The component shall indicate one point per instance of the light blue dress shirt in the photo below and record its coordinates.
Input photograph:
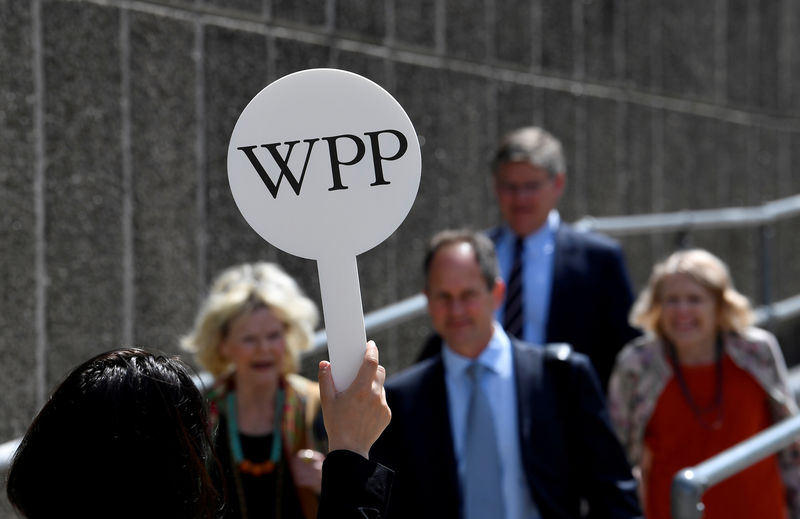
(537, 275)
(499, 385)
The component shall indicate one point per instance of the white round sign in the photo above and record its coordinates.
(325, 164)
(324, 159)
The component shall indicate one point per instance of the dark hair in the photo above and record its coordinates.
(125, 435)
(481, 245)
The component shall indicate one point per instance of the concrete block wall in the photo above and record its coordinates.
(115, 116)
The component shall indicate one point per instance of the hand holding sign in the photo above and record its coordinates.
(325, 164)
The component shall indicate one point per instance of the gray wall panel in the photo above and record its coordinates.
(642, 46)
(740, 79)
(684, 181)
(463, 174)
(375, 69)
(304, 12)
(252, 9)
(291, 56)
(753, 40)
(365, 19)
(517, 105)
(600, 180)
(415, 22)
(688, 52)
(791, 65)
(601, 29)
(517, 33)
(559, 117)
(83, 188)
(640, 162)
(164, 179)
(467, 30)
(18, 220)
(235, 71)
(768, 55)
(558, 41)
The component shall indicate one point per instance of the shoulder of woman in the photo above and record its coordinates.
(216, 392)
(754, 334)
(758, 352)
(215, 400)
(640, 352)
(756, 341)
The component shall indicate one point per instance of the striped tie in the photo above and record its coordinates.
(513, 312)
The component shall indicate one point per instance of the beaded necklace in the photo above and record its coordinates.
(716, 408)
(245, 465)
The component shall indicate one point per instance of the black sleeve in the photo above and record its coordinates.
(608, 482)
(431, 348)
(354, 487)
(617, 298)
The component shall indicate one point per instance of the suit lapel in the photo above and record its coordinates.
(559, 291)
(434, 432)
(533, 409)
(527, 374)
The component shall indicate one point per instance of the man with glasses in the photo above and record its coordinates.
(569, 286)
(562, 285)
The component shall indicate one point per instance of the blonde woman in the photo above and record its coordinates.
(700, 381)
(248, 334)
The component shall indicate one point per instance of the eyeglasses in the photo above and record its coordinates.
(525, 188)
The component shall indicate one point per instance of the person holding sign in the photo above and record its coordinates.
(126, 435)
(491, 426)
(352, 485)
(248, 334)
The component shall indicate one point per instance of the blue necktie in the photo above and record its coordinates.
(483, 495)
(513, 315)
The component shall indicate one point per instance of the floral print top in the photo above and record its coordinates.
(642, 371)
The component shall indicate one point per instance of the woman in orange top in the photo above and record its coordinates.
(700, 381)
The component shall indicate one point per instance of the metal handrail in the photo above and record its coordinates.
(614, 225)
(731, 217)
(373, 322)
(690, 483)
(414, 306)
(7, 451)
(386, 317)
(779, 310)
(704, 219)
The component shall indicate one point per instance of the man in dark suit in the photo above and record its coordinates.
(563, 285)
(575, 287)
(549, 446)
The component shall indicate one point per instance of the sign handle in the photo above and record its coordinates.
(344, 316)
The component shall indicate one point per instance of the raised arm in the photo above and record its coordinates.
(354, 419)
